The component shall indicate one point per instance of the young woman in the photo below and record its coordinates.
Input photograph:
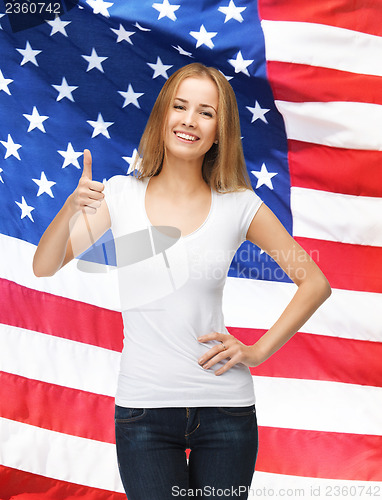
(184, 380)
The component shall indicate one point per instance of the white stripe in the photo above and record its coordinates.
(318, 405)
(93, 464)
(353, 125)
(250, 303)
(58, 361)
(323, 46)
(59, 456)
(336, 217)
(268, 485)
(16, 265)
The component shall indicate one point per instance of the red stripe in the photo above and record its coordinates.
(346, 360)
(336, 170)
(54, 315)
(349, 267)
(65, 410)
(329, 455)
(304, 83)
(96, 423)
(19, 485)
(362, 16)
(91, 416)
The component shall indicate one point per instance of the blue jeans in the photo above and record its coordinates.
(151, 444)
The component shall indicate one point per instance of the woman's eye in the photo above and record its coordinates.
(207, 113)
(178, 106)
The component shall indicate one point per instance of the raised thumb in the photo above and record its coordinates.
(87, 171)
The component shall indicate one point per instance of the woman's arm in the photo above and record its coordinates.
(268, 233)
(83, 218)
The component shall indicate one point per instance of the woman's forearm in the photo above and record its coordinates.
(310, 294)
(51, 249)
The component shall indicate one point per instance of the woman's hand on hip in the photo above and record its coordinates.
(230, 348)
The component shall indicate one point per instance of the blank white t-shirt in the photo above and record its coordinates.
(171, 293)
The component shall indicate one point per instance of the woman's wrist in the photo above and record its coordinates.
(257, 355)
(69, 206)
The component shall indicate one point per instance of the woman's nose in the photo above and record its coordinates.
(189, 120)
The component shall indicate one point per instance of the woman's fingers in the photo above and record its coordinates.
(213, 352)
(218, 352)
(229, 349)
(92, 188)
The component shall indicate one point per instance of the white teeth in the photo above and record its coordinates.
(185, 136)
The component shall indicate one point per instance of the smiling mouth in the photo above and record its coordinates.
(186, 137)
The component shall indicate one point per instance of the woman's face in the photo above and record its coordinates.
(191, 125)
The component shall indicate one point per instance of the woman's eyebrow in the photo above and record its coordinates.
(201, 105)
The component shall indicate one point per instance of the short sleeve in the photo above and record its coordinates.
(248, 205)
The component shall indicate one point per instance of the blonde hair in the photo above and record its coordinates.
(224, 166)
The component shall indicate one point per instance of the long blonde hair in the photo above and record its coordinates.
(224, 166)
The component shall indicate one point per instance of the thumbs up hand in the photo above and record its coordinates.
(88, 194)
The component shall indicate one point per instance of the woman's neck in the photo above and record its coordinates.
(183, 178)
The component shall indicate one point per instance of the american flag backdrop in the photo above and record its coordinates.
(307, 76)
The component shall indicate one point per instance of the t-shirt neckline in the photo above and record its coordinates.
(197, 230)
